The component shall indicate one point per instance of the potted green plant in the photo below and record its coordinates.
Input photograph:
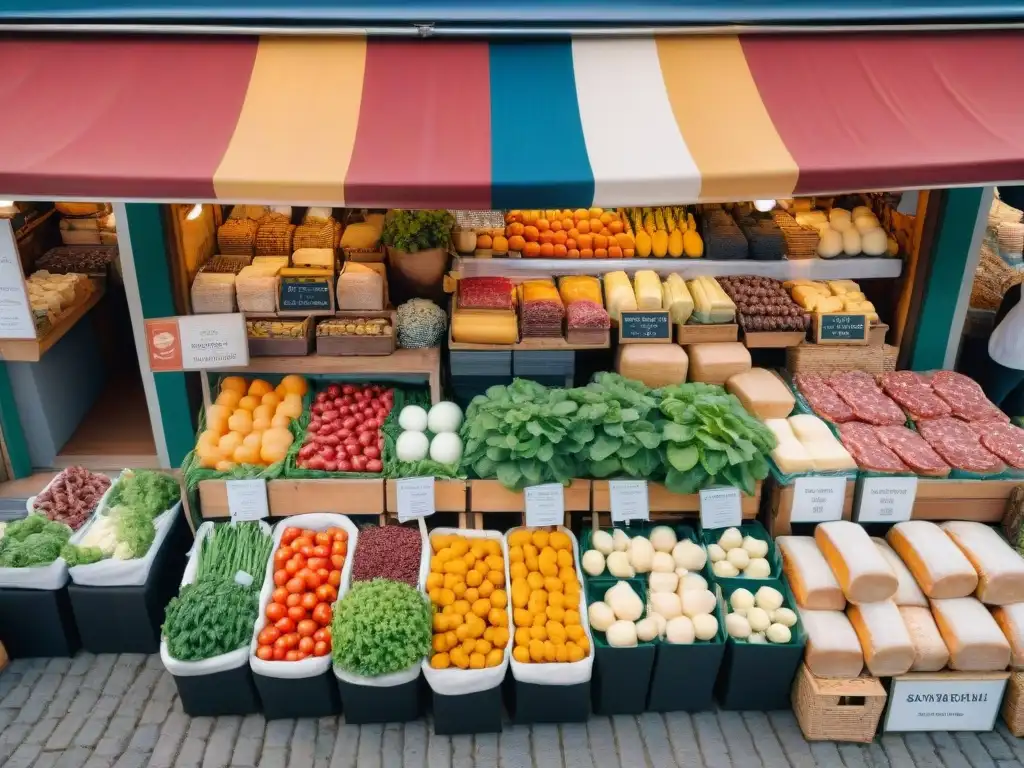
(418, 244)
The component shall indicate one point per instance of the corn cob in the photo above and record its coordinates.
(670, 219)
(659, 220)
(649, 224)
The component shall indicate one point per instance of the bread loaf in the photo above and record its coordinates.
(833, 649)
(939, 567)
(907, 593)
(930, 652)
(1000, 570)
(975, 641)
(883, 637)
(1010, 619)
(862, 572)
(812, 581)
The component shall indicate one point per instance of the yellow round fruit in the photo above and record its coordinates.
(234, 384)
(294, 384)
(249, 403)
(228, 398)
(259, 388)
(240, 421)
(229, 443)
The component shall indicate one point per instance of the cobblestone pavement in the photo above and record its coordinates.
(112, 711)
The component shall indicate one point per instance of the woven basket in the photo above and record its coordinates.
(236, 237)
(316, 235)
(837, 710)
(889, 355)
(801, 242)
(1013, 711)
(825, 359)
(275, 239)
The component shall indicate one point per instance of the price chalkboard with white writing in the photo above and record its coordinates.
(306, 296)
(645, 327)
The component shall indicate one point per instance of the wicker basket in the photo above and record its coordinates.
(318, 234)
(236, 237)
(801, 242)
(275, 239)
(1013, 710)
(825, 359)
(837, 710)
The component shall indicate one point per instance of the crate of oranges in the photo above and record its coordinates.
(547, 613)
(466, 586)
(584, 233)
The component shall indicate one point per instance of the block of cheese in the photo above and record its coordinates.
(939, 567)
(647, 287)
(833, 649)
(883, 637)
(716, 363)
(975, 641)
(789, 454)
(812, 581)
(930, 652)
(859, 567)
(827, 453)
(1010, 619)
(762, 393)
(1000, 569)
(656, 365)
(618, 295)
(484, 326)
(907, 593)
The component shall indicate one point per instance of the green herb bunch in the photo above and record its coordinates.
(135, 531)
(154, 492)
(32, 541)
(209, 618)
(380, 627)
(411, 231)
(74, 555)
(233, 547)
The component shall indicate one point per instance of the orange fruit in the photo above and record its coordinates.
(513, 216)
(560, 238)
(547, 251)
(567, 223)
(573, 233)
(515, 228)
(560, 251)
(529, 217)
(547, 236)
(483, 241)
(543, 225)
(605, 231)
(259, 388)
(586, 241)
(614, 252)
(573, 253)
(556, 225)
(615, 227)
(531, 249)
(624, 241)
(570, 243)
(627, 253)
(500, 244)
(234, 384)
(586, 253)
(600, 253)
(581, 213)
(600, 241)
(606, 217)
(294, 384)
(583, 226)
(531, 234)
(596, 212)
(596, 225)
(516, 242)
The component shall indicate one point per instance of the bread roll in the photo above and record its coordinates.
(930, 652)
(907, 593)
(883, 637)
(1010, 619)
(1000, 569)
(939, 567)
(862, 572)
(833, 649)
(975, 641)
(812, 581)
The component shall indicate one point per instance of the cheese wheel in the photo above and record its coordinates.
(1010, 619)
(812, 581)
(833, 649)
(862, 572)
(930, 652)
(975, 641)
(1000, 570)
(939, 567)
(883, 637)
(907, 593)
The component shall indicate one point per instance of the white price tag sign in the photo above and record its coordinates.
(720, 507)
(945, 703)
(886, 499)
(247, 499)
(629, 500)
(818, 499)
(545, 505)
(415, 498)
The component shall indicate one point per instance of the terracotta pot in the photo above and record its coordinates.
(417, 275)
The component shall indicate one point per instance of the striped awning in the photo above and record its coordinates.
(478, 124)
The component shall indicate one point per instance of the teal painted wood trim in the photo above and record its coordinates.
(149, 247)
(950, 257)
(10, 423)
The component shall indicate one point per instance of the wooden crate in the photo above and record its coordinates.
(697, 333)
(782, 506)
(837, 710)
(492, 496)
(665, 504)
(356, 496)
(982, 501)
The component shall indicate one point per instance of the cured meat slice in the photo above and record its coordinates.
(867, 450)
(867, 400)
(587, 314)
(913, 392)
(485, 293)
(1004, 440)
(822, 398)
(965, 397)
(957, 443)
(913, 450)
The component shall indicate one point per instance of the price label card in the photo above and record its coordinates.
(818, 499)
(629, 500)
(247, 499)
(545, 505)
(415, 498)
(720, 507)
(886, 499)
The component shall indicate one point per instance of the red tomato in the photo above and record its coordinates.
(290, 534)
(295, 585)
(294, 598)
(306, 628)
(334, 579)
(291, 567)
(300, 542)
(309, 601)
(374, 465)
(326, 593)
(299, 559)
(323, 537)
(268, 635)
(339, 547)
(321, 648)
(285, 625)
(281, 577)
(322, 634)
(265, 653)
(280, 595)
(324, 574)
(306, 645)
(338, 561)
(312, 579)
(316, 563)
(292, 656)
(359, 463)
(291, 639)
(371, 452)
(276, 611)
(282, 556)
(279, 653)
(298, 613)
(321, 550)
(322, 614)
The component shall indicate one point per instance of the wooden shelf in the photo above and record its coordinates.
(32, 350)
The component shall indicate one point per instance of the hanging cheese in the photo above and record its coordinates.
(930, 652)
(789, 454)
(975, 641)
(715, 363)
(860, 569)
(1010, 619)
(825, 450)
(484, 326)
(907, 593)
(812, 581)
(939, 567)
(762, 393)
(655, 365)
(888, 649)
(1000, 569)
(833, 649)
(618, 295)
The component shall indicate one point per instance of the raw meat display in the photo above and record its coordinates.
(822, 398)
(485, 293)
(912, 450)
(72, 496)
(868, 402)
(1004, 440)
(912, 391)
(965, 397)
(542, 310)
(957, 443)
(867, 450)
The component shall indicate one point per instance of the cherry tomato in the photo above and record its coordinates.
(340, 535)
(291, 639)
(333, 531)
(322, 614)
(323, 537)
(282, 556)
(265, 653)
(300, 542)
(280, 595)
(339, 547)
(276, 611)
(292, 656)
(306, 645)
(321, 648)
(268, 635)
(298, 613)
(309, 601)
(324, 575)
(307, 551)
(316, 563)
(334, 579)
(285, 625)
(290, 534)
(312, 579)
(295, 585)
(294, 599)
(281, 577)
(307, 627)
(326, 593)
(279, 654)
(291, 567)
(338, 561)
(322, 634)
(321, 550)
(300, 560)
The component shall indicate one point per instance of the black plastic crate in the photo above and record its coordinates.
(367, 704)
(231, 692)
(468, 713)
(533, 703)
(300, 697)
(37, 622)
(683, 679)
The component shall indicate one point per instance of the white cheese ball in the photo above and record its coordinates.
(839, 214)
(601, 616)
(663, 538)
(663, 563)
(705, 626)
(641, 554)
(768, 598)
(784, 616)
(697, 601)
(593, 562)
(602, 542)
(723, 569)
(737, 626)
(688, 555)
(715, 553)
(757, 638)
(619, 565)
(662, 582)
(777, 633)
(755, 547)
(620, 541)
(680, 630)
(741, 599)
(874, 241)
(646, 630)
(730, 539)
(692, 581)
(758, 618)
(851, 242)
(621, 634)
(739, 558)
(758, 568)
(666, 603)
(660, 621)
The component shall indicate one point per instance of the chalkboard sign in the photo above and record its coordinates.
(841, 329)
(651, 327)
(306, 295)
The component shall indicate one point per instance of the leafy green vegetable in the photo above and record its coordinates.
(75, 555)
(32, 541)
(209, 618)
(412, 231)
(135, 531)
(380, 627)
(154, 492)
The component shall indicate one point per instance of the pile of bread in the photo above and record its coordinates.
(926, 598)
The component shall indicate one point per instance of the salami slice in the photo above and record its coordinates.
(961, 448)
(867, 450)
(913, 392)
(913, 450)
(866, 399)
(822, 398)
(965, 397)
(1004, 440)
